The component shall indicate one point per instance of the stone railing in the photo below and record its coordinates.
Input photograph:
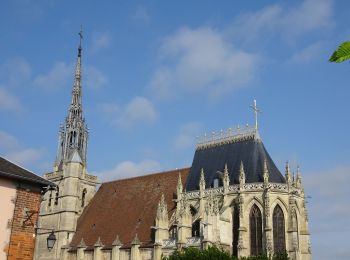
(255, 186)
(229, 136)
(168, 243)
(52, 175)
(91, 177)
(194, 241)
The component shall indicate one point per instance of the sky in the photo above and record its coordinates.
(157, 74)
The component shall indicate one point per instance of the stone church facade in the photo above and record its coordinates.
(233, 196)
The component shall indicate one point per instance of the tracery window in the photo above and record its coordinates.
(196, 229)
(255, 222)
(83, 198)
(279, 243)
(173, 232)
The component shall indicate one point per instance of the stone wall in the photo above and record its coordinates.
(22, 239)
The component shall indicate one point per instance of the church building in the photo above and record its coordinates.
(233, 196)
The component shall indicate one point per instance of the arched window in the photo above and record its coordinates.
(173, 232)
(279, 242)
(235, 232)
(196, 229)
(255, 222)
(57, 194)
(83, 198)
(50, 199)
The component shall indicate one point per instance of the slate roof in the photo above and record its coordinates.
(125, 208)
(13, 171)
(251, 151)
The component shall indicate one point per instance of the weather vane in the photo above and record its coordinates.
(256, 111)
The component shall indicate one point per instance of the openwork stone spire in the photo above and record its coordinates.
(73, 134)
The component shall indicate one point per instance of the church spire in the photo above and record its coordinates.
(74, 133)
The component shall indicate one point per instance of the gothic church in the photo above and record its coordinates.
(232, 196)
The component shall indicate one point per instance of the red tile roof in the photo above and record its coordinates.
(126, 208)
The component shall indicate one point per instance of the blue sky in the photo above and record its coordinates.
(157, 73)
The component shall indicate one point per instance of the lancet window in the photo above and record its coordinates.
(235, 232)
(83, 196)
(279, 243)
(57, 195)
(255, 221)
(196, 229)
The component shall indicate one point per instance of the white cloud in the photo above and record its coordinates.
(100, 41)
(308, 54)
(8, 101)
(95, 78)
(187, 135)
(61, 75)
(138, 110)
(127, 169)
(15, 72)
(25, 156)
(12, 150)
(328, 211)
(272, 20)
(201, 61)
(7, 141)
(141, 15)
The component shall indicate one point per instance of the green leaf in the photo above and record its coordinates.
(341, 54)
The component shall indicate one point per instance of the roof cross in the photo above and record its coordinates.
(256, 111)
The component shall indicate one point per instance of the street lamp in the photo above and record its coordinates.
(51, 239)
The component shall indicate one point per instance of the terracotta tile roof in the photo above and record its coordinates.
(13, 171)
(126, 208)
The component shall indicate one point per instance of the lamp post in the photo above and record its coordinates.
(51, 239)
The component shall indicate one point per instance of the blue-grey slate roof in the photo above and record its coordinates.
(214, 157)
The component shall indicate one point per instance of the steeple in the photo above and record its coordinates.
(74, 133)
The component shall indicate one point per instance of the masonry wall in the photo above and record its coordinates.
(22, 239)
(7, 202)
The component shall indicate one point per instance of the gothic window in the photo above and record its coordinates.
(57, 194)
(255, 222)
(173, 232)
(196, 229)
(50, 198)
(83, 198)
(235, 232)
(278, 230)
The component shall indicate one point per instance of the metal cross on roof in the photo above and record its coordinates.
(256, 111)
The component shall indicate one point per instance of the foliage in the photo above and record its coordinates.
(341, 54)
(214, 253)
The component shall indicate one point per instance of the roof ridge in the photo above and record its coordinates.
(147, 175)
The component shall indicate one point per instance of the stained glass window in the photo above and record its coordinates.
(279, 243)
(255, 221)
(235, 231)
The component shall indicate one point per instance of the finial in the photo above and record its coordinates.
(80, 40)
(241, 174)
(98, 243)
(117, 242)
(136, 241)
(256, 111)
(226, 177)
(202, 180)
(266, 172)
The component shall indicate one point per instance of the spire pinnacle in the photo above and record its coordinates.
(74, 134)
